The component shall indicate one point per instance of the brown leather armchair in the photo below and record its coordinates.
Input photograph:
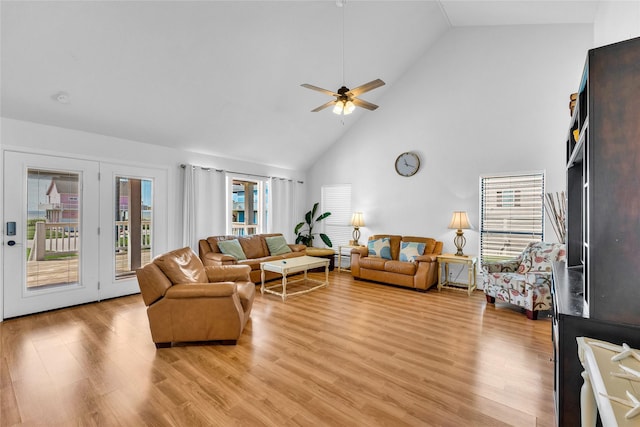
(187, 301)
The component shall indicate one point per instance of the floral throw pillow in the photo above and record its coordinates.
(410, 250)
(379, 248)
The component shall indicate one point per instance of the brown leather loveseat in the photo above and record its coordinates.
(255, 249)
(187, 301)
(396, 265)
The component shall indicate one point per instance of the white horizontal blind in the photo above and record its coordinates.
(511, 214)
(337, 200)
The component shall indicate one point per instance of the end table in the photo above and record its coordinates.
(470, 261)
(340, 269)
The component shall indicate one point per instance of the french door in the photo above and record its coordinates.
(79, 230)
(51, 213)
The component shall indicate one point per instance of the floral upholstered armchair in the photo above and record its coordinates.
(524, 281)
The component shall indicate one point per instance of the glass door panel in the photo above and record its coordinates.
(133, 224)
(53, 228)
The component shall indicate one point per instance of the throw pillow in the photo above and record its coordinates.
(410, 250)
(379, 248)
(277, 245)
(233, 248)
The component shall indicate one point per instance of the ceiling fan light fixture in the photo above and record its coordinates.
(349, 107)
(338, 108)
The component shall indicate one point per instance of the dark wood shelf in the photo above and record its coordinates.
(595, 292)
(569, 322)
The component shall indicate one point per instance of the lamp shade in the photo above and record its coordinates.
(357, 219)
(459, 221)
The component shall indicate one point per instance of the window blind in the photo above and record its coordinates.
(337, 200)
(511, 214)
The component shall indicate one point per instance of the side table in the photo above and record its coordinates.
(340, 269)
(470, 261)
(322, 253)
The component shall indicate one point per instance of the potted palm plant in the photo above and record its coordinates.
(304, 230)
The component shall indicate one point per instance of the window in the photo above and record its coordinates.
(133, 225)
(511, 214)
(248, 213)
(337, 200)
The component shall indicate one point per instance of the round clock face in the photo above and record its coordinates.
(407, 164)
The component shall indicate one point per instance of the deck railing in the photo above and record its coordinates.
(64, 238)
(241, 229)
(58, 237)
(122, 235)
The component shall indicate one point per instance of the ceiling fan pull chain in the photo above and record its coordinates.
(344, 3)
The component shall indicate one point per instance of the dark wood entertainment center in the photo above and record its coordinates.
(597, 291)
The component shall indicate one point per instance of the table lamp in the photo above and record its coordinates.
(357, 221)
(459, 222)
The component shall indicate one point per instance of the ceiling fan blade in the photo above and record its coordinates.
(323, 106)
(366, 87)
(319, 89)
(364, 104)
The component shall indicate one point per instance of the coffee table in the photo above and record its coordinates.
(291, 266)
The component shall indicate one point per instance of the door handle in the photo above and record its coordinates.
(11, 243)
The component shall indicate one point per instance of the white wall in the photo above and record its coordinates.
(616, 21)
(482, 100)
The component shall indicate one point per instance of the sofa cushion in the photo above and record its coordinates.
(182, 266)
(254, 246)
(254, 263)
(379, 248)
(410, 250)
(277, 245)
(515, 284)
(372, 263)
(400, 267)
(233, 248)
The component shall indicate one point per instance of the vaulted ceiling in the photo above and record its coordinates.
(223, 77)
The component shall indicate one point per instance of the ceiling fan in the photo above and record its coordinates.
(347, 99)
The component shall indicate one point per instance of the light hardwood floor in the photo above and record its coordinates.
(353, 354)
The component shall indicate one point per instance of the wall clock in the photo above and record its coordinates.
(407, 164)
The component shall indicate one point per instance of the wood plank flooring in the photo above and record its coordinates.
(353, 354)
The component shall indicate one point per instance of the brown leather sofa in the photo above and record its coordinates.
(187, 301)
(255, 248)
(422, 273)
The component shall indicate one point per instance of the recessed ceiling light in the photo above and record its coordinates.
(62, 97)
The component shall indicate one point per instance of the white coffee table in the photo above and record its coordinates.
(291, 266)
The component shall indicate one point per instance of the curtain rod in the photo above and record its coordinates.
(240, 173)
